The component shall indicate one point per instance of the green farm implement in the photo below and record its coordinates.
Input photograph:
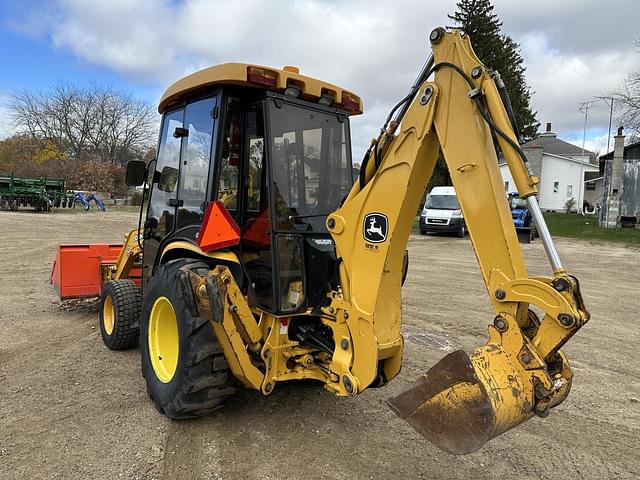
(42, 194)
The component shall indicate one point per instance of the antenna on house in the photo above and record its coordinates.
(585, 107)
(608, 99)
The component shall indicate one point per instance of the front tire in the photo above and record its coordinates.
(462, 230)
(183, 363)
(120, 305)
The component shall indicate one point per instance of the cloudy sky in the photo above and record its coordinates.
(574, 50)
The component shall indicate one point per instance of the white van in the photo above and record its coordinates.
(441, 212)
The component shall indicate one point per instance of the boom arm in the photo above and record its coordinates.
(465, 400)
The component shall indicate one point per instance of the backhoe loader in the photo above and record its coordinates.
(262, 259)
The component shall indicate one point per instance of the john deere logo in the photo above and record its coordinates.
(375, 227)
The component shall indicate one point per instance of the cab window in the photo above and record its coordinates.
(161, 213)
(255, 245)
(311, 166)
(229, 172)
(195, 161)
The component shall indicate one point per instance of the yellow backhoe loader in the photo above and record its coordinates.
(262, 259)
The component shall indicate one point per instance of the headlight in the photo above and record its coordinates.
(457, 214)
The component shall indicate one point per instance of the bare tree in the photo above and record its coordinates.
(86, 122)
(627, 103)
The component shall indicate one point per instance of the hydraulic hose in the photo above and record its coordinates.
(402, 106)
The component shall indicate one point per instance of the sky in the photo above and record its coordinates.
(574, 50)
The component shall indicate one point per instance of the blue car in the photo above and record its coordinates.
(525, 227)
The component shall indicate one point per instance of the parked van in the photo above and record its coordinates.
(441, 212)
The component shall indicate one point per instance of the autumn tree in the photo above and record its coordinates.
(30, 157)
(84, 134)
(27, 156)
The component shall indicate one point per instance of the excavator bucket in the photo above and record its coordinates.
(77, 268)
(466, 400)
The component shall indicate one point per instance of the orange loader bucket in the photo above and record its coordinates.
(77, 268)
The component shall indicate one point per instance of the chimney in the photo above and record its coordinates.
(548, 132)
(616, 166)
(610, 216)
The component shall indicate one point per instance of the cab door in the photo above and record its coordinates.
(164, 192)
(195, 165)
(177, 207)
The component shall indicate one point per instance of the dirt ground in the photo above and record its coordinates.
(72, 409)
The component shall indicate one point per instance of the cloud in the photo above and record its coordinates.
(562, 81)
(573, 50)
(576, 26)
(594, 140)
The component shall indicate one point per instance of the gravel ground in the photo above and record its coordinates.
(72, 409)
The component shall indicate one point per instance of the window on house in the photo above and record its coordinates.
(569, 190)
(556, 187)
(506, 186)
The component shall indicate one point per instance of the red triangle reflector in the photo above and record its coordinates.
(218, 229)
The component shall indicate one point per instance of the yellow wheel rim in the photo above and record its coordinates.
(108, 315)
(162, 336)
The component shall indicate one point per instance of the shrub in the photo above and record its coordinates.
(136, 198)
(570, 205)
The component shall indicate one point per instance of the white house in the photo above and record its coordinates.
(561, 167)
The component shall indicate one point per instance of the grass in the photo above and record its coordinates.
(586, 228)
(582, 227)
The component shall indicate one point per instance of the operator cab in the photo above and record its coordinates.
(278, 160)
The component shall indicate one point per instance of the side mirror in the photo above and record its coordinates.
(136, 173)
(168, 179)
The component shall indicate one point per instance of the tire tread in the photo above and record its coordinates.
(205, 379)
(127, 302)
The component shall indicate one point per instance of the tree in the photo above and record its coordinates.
(90, 122)
(94, 176)
(498, 52)
(627, 103)
(27, 156)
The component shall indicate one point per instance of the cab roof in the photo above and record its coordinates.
(265, 78)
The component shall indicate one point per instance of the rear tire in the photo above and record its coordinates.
(120, 305)
(183, 364)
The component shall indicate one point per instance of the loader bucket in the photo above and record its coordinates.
(77, 268)
(466, 400)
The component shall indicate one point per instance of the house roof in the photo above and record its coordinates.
(594, 180)
(550, 143)
(502, 161)
(630, 151)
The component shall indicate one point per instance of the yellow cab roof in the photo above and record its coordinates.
(238, 74)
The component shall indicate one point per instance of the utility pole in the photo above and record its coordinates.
(585, 107)
(610, 117)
